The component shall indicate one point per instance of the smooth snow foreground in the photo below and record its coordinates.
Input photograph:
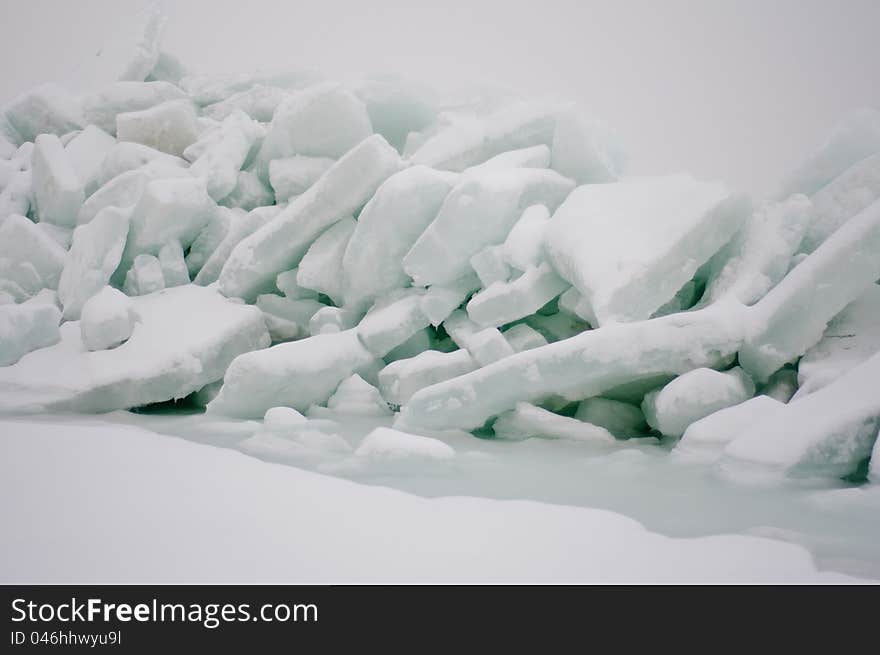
(103, 503)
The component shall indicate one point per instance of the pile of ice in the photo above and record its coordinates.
(378, 254)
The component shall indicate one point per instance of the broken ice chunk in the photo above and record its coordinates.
(782, 385)
(533, 157)
(17, 196)
(259, 102)
(125, 190)
(403, 206)
(488, 346)
(209, 89)
(173, 265)
(852, 337)
(320, 267)
(127, 156)
(387, 444)
(23, 242)
(107, 319)
(144, 276)
(356, 397)
(26, 327)
(94, 255)
(694, 395)
(396, 107)
(57, 188)
(465, 143)
(401, 379)
(524, 245)
(443, 299)
(505, 302)
(619, 418)
(199, 332)
(291, 176)
(328, 320)
(854, 138)
(391, 322)
(793, 316)
(585, 150)
(216, 229)
(86, 152)
(46, 109)
(224, 154)
(521, 337)
(527, 420)
(282, 419)
(280, 244)
(758, 256)
(103, 106)
(479, 211)
(841, 199)
(490, 266)
(582, 366)
(286, 283)
(287, 318)
(173, 209)
(170, 127)
(323, 121)
(249, 193)
(706, 438)
(295, 374)
(827, 433)
(629, 246)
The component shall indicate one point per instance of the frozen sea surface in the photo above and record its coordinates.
(106, 498)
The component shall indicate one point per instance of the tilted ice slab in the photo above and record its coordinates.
(851, 337)
(58, 191)
(221, 153)
(102, 106)
(479, 211)
(854, 138)
(388, 226)
(759, 255)
(401, 379)
(200, 333)
(583, 366)
(792, 317)
(826, 433)
(465, 143)
(841, 199)
(628, 246)
(505, 302)
(279, 245)
(93, 257)
(296, 374)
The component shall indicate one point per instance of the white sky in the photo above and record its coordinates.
(738, 90)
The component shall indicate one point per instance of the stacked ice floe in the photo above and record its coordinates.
(328, 255)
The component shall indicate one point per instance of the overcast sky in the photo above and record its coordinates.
(738, 90)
